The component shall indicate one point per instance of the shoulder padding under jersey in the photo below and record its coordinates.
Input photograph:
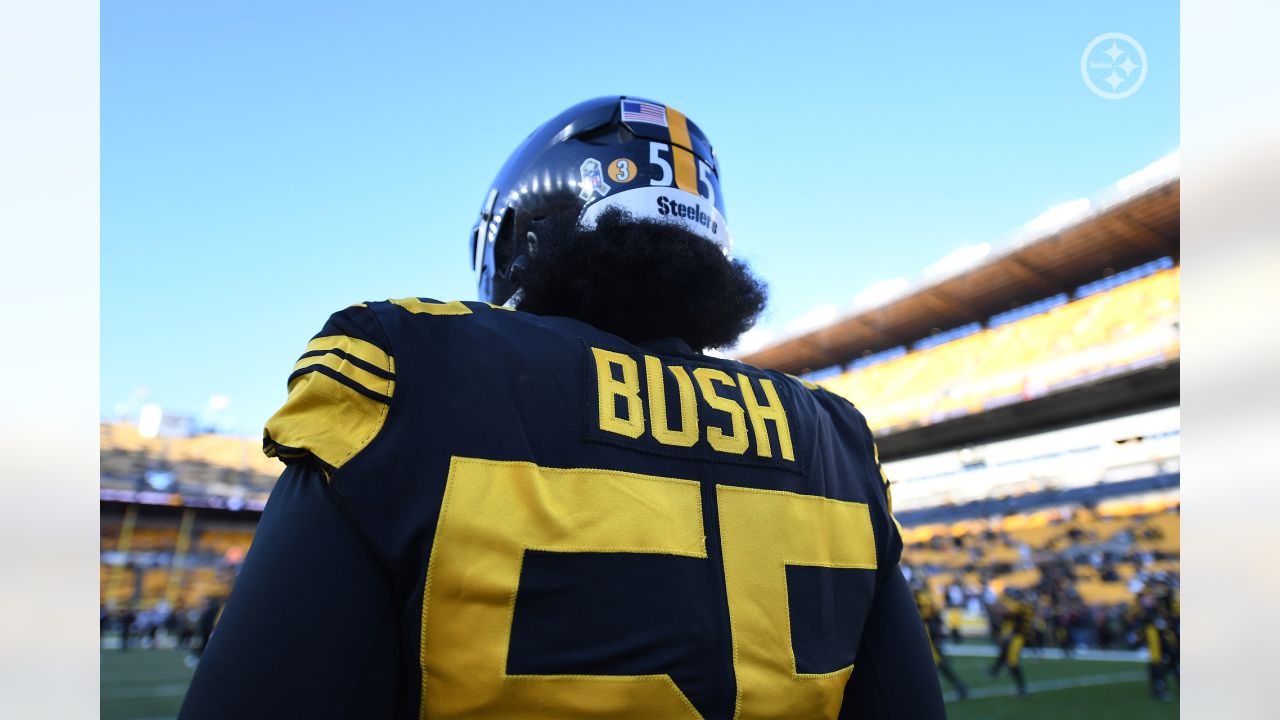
(424, 306)
(875, 450)
(340, 392)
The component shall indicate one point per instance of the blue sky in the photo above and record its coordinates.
(264, 164)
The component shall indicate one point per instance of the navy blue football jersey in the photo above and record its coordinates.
(573, 526)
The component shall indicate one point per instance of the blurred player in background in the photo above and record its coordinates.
(931, 614)
(1017, 613)
(1155, 615)
(551, 504)
(209, 613)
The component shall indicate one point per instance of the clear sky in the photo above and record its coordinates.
(264, 164)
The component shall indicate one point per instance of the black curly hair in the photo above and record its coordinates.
(640, 279)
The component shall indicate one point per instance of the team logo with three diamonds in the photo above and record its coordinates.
(1114, 66)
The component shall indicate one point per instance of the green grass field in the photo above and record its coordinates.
(1063, 689)
(142, 684)
(149, 684)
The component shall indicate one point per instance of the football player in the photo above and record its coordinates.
(550, 503)
(1155, 613)
(1017, 611)
(932, 617)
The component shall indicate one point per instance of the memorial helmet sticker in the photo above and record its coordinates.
(592, 179)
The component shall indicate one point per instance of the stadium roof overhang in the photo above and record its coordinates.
(1147, 388)
(1116, 233)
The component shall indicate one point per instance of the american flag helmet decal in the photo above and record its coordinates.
(645, 112)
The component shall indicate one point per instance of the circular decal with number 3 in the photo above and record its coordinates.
(622, 170)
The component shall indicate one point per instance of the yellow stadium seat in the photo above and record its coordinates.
(1108, 330)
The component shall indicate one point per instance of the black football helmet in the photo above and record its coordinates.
(614, 151)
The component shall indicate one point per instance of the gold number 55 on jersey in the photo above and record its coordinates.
(495, 511)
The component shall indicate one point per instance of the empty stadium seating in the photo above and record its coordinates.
(198, 460)
(1106, 332)
(142, 575)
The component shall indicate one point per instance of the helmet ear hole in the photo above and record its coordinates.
(504, 245)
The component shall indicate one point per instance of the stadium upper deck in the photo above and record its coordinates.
(1135, 222)
(1063, 344)
(1057, 258)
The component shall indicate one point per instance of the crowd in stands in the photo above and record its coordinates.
(1086, 570)
(150, 572)
(1066, 342)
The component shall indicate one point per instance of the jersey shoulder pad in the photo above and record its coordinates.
(847, 406)
(427, 306)
(834, 398)
(806, 383)
(340, 393)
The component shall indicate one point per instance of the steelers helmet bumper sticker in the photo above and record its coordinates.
(666, 203)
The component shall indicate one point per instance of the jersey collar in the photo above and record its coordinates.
(668, 346)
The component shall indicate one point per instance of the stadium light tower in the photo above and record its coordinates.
(149, 419)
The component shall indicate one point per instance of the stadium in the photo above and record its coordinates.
(1025, 399)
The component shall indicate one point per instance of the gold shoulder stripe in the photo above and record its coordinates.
(326, 418)
(339, 395)
(358, 375)
(414, 305)
(356, 347)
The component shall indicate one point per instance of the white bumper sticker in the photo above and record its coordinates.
(666, 203)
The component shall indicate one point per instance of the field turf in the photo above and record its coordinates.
(1060, 689)
(149, 684)
(142, 684)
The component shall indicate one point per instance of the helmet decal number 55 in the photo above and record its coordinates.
(703, 175)
(656, 149)
(495, 511)
(656, 159)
